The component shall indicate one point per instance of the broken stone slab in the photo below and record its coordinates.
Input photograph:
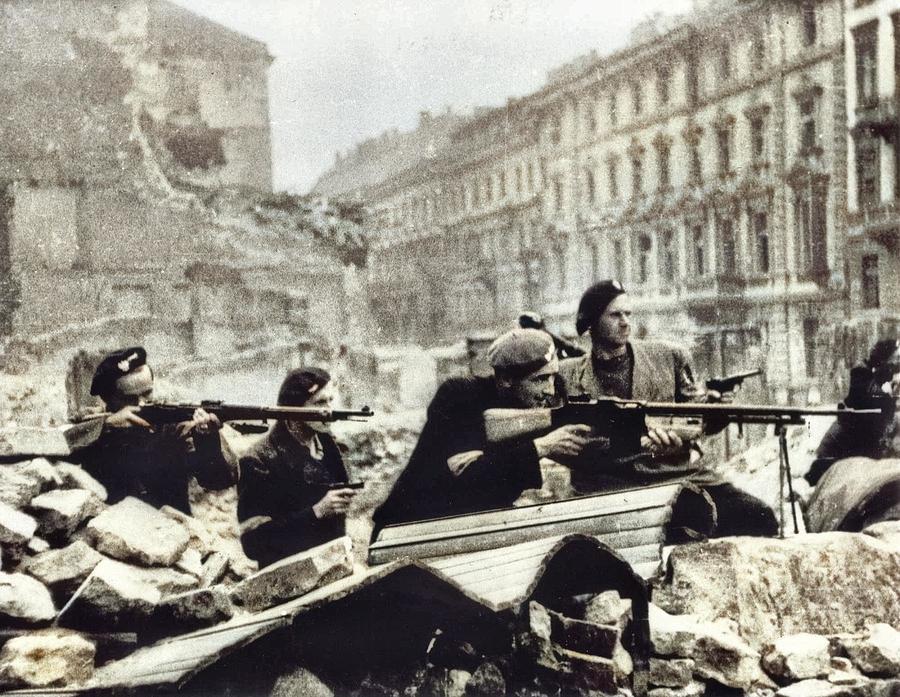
(588, 672)
(191, 563)
(202, 539)
(60, 512)
(193, 609)
(214, 569)
(444, 682)
(17, 489)
(49, 658)
(877, 652)
(672, 672)
(16, 528)
(576, 635)
(110, 597)
(822, 688)
(37, 545)
(692, 689)
(486, 681)
(133, 531)
(608, 608)
(64, 569)
(75, 477)
(168, 581)
(25, 600)
(41, 471)
(783, 587)
(295, 575)
(721, 655)
(298, 680)
(672, 635)
(797, 657)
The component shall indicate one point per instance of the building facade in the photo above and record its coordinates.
(705, 166)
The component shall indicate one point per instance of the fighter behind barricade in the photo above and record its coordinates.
(453, 468)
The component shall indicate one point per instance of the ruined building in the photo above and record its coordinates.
(705, 165)
(136, 176)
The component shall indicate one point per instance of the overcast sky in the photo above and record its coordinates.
(346, 70)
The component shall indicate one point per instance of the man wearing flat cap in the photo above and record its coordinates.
(453, 469)
(656, 371)
(132, 457)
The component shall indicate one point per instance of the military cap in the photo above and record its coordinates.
(594, 301)
(522, 352)
(300, 385)
(124, 371)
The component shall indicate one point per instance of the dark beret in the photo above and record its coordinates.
(882, 352)
(114, 366)
(521, 352)
(300, 385)
(594, 301)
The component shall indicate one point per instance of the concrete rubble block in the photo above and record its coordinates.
(877, 652)
(797, 657)
(608, 608)
(16, 528)
(17, 489)
(25, 600)
(444, 682)
(63, 569)
(888, 531)
(110, 597)
(300, 681)
(190, 562)
(37, 545)
(583, 637)
(41, 471)
(60, 512)
(133, 531)
(202, 539)
(672, 635)
(822, 688)
(168, 581)
(783, 587)
(50, 658)
(296, 575)
(589, 672)
(692, 689)
(486, 681)
(75, 477)
(194, 609)
(721, 655)
(672, 672)
(214, 569)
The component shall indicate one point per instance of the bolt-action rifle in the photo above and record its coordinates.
(172, 413)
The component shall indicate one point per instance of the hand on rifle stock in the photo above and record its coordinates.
(565, 441)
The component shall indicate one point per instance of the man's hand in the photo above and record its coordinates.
(336, 502)
(716, 397)
(661, 441)
(566, 441)
(127, 417)
(202, 422)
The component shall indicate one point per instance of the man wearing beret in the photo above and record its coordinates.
(453, 469)
(132, 457)
(657, 371)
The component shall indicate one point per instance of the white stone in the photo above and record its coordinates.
(63, 568)
(24, 598)
(134, 531)
(16, 528)
(798, 657)
(46, 659)
(61, 511)
(75, 477)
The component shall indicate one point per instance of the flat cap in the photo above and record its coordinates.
(521, 352)
(108, 377)
(594, 301)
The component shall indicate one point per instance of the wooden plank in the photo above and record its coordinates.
(610, 529)
(626, 499)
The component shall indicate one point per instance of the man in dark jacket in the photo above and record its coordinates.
(618, 366)
(132, 457)
(453, 469)
(289, 495)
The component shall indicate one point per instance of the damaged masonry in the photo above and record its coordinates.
(138, 207)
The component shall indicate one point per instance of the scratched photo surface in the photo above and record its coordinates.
(358, 347)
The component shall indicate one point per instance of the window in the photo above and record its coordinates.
(760, 221)
(758, 138)
(696, 165)
(489, 188)
(530, 176)
(637, 176)
(665, 176)
(728, 242)
(668, 260)
(693, 82)
(613, 110)
(810, 331)
(807, 124)
(557, 194)
(723, 146)
(612, 176)
(698, 246)
(808, 21)
(618, 259)
(518, 179)
(724, 64)
(590, 119)
(865, 39)
(810, 221)
(871, 298)
(477, 195)
(637, 104)
(589, 187)
(758, 50)
(662, 85)
(555, 130)
(868, 185)
(502, 185)
(645, 250)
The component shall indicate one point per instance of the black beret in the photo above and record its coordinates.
(594, 301)
(300, 385)
(521, 352)
(114, 366)
(882, 352)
